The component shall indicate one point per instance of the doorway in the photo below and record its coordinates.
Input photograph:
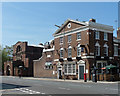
(81, 71)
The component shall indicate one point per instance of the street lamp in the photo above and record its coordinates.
(94, 64)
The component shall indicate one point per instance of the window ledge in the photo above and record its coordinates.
(105, 40)
(97, 38)
(68, 42)
(78, 39)
(115, 55)
(61, 43)
(70, 73)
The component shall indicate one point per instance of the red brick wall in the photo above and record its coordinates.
(39, 66)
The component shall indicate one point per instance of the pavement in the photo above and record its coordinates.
(67, 80)
(15, 86)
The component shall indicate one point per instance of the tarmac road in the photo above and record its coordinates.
(22, 86)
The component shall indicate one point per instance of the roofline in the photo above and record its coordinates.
(67, 22)
(84, 23)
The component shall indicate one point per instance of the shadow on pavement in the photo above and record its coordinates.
(11, 86)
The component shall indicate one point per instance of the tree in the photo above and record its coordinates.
(5, 55)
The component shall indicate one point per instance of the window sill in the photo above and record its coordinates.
(105, 40)
(70, 74)
(97, 38)
(61, 43)
(116, 55)
(68, 42)
(78, 39)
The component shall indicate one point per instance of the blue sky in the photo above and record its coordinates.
(34, 22)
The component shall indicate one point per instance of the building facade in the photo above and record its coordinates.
(80, 46)
(23, 56)
(44, 66)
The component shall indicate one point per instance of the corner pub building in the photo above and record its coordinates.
(23, 56)
(79, 46)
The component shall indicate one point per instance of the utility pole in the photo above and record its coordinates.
(64, 52)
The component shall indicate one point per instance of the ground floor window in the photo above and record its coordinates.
(70, 69)
(48, 65)
(101, 65)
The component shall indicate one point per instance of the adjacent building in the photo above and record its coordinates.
(44, 66)
(23, 56)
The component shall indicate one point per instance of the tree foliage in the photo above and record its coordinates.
(5, 55)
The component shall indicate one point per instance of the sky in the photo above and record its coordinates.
(35, 21)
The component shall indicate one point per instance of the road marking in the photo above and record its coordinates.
(42, 93)
(64, 88)
(28, 91)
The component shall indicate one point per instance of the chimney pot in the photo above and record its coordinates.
(92, 20)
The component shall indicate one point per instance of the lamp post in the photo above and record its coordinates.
(64, 52)
(94, 79)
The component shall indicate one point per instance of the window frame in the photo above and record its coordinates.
(69, 38)
(69, 51)
(61, 40)
(71, 71)
(78, 50)
(79, 35)
(116, 49)
(105, 36)
(61, 52)
(97, 36)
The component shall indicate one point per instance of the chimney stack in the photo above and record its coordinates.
(92, 20)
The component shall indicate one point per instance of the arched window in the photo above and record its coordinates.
(69, 51)
(97, 49)
(61, 52)
(18, 49)
(78, 50)
(105, 50)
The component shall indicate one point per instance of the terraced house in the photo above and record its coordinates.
(79, 46)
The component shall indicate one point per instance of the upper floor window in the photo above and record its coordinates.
(69, 51)
(18, 49)
(48, 65)
(105, 50)
(61, 52)
(69, 38)
(97, 35)
(115, 50)
(105, 36)
(78, 50)
(78, 35)
(97, 49)
(61, 39)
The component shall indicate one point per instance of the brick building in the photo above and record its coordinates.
(23, 56)
(79, 46)
(44, 66)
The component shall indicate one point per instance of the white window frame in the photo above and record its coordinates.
(97, 35)
(105, 36)
(71, 70)
(69, 38)
(61, 40)
(69, 51)
(105, 46)
(79, 36)
(97, 51)
(78, 50)
(116, 50)
(61, 50)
